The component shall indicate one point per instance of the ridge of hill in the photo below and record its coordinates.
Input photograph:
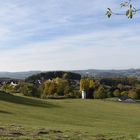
(89, 72)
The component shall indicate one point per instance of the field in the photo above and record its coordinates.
(68, 119)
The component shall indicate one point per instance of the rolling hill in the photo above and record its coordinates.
(30, 118)
(89, 72)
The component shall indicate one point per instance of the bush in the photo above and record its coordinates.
(138, 93)
(124, 93)
(100, 93)
(110, 94)
(117, 93)
(74, 94)
(133, 94)
(26, 89)
(8, 88)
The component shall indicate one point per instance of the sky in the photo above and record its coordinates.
(67, 35)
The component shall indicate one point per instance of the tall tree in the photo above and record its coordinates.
(87, 85)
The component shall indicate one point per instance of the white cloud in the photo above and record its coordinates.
(65, 34)
(114, 48)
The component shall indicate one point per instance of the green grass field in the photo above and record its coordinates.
(29, 118)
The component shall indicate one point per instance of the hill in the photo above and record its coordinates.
(54, 74)
(110, 73)
(18, 75)
(23, 117)
(90, 72)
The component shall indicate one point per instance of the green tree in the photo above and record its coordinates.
(138, 92)
(133, 94)
(120, 87)
(100, 93)
(124, 93)
(26, 89)
(67, 90)
(62, 86)
(116, 93)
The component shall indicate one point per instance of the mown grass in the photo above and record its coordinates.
(72, 119)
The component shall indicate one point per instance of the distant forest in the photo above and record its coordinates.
(62, 84)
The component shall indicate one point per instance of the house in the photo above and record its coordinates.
(13, 84)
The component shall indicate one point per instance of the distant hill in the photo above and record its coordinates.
(54, 74)
(18, 75)
(89, 72)
(110, 73)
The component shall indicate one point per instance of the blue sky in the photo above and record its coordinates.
(66, 35)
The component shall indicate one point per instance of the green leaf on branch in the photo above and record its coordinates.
(109, 13)
(130, 15)
(127, 12)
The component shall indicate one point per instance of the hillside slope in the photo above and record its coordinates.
(89, 118)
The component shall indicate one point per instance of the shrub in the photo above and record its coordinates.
(109, 94)
(124, 93)
(138, 93)
(8, 88)
(116, 93)
(133, 94)
(26, 89)
(100, 93)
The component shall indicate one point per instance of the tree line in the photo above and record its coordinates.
(71, 85)
(100, 88)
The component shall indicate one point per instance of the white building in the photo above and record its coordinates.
(83, 94)
(13, 84)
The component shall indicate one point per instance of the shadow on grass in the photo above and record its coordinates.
(25, 101)
(5, 112)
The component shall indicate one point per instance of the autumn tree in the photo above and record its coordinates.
(133, 94)
(56, 87)
(87, 85)
(49, 88)
(84, 85)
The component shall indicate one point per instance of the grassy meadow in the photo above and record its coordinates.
(68, 119)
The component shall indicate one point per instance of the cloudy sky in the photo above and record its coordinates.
(66, 35)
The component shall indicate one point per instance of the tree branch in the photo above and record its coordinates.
(130, 12)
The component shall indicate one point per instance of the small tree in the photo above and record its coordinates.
(120, 87)
(116, 93)
(138, 92)
(84, 85)
(100, 93)
(124, 93)
(87, 85)
(62, 86)
(133, 94)
(26, 89)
